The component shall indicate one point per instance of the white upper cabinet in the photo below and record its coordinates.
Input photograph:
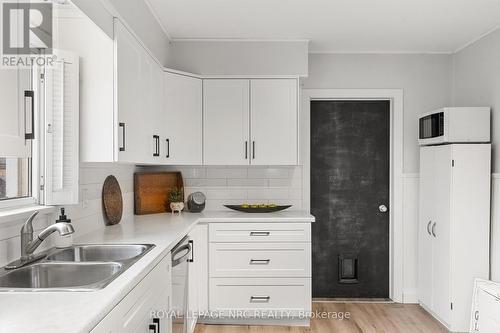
(133, 98)
(78, 34)
(183, 111)
(250, 122)
(273, 110)
(226, 122)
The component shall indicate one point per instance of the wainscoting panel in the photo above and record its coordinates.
(410, 224)
(495, 228)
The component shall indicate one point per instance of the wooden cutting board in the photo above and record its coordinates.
(152, 191)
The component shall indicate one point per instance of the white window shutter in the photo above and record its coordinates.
(62, 130)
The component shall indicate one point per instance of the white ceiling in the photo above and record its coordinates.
(335, 25)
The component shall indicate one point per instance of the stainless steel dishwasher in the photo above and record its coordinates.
(181, 253)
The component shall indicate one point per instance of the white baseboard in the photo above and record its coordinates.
(255, 321)
(410, 296)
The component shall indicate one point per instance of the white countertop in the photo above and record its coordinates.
(54, 312)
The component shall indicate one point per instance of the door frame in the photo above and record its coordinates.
(395, 97)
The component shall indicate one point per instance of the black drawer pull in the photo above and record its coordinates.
(157, 145)
(156, 323)
(260, 299)
(122, 125)
(260, 261)
(259, 233)
(192, 250)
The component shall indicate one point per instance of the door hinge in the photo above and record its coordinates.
(452, 163)
(451, 305)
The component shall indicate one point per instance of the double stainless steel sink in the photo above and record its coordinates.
(77, 268)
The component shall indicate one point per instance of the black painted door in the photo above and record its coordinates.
(350, 152)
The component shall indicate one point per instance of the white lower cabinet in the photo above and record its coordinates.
(145, 308)
(198, 275)
(260, 267)
(260, 260)
(454, 229)
(287, 296)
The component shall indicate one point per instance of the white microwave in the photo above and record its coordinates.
(454, 125)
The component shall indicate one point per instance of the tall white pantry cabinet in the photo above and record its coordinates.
(454, 228)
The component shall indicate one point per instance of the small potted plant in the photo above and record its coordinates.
(176, 200)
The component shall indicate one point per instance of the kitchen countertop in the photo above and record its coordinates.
(53, 312)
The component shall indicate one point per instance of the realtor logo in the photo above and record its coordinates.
(27, 28)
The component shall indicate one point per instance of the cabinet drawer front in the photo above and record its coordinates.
(288, 294)
(259, 232)
(260, 260)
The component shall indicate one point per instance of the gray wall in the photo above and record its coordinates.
(477, 82)
(137, 16)
(241, 57)
(426, 80)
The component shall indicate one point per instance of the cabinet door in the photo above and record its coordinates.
(15, 112)
(226, 122)
(426, 212)
(441, 233)
(183, 119)
(154, 93)
(273, 121)
(198, 275)
(134, 133)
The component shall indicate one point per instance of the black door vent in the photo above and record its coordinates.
(348, 268)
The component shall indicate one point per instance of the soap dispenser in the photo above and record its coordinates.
(63, 241)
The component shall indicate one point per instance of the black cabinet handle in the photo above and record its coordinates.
(192, 250)
(260, 299)
(29, 126)
(246, 150)
(260, 261)
(253, 150)
(259, 233)
(157, 145)
(168, 148)
(156, 322)
(122, 125)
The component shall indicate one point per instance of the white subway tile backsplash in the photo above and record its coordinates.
(268, 172)
(268, 193)
(248, 182)
(245, 184)
(285, 182)
(225, 172)
(222, 182)
(194, 172)
(222, 185)
(236, 194)
(194, 182)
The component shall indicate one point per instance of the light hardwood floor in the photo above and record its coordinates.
(364, 317)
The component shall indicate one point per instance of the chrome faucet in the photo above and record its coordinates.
(28, 245)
